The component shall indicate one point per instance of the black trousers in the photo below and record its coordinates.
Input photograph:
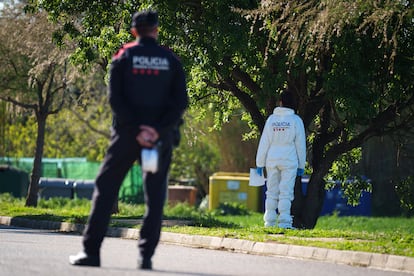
(123, 151)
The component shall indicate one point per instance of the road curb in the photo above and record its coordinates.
(354, 258)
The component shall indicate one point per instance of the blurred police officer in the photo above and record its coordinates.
(147, 95)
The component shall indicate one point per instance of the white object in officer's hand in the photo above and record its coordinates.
(149, 160)
(255, 179)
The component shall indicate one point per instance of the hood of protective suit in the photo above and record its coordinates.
(283, 111)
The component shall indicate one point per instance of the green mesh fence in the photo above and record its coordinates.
(131, 190)
(80, 170)
(50, 169)
(23, 165)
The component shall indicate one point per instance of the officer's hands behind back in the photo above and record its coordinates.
(147, 136)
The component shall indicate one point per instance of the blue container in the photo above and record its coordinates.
(336, 202)
(55, 187)
(83, 189)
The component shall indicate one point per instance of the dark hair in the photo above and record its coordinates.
(145, 21)
(288, 99)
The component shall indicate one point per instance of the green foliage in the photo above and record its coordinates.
(180, 210)
(204, 150)
(79, 131)
(354, 187)
(194, 216)
(405, 191)
(7, 198)
(349, 62)
(20, 137)
(100, 20)
(214, 45)
(204, 35)
(354, 64)
(65, 137)
(231, 209)
(127, 210)
(35, 75)
(342, 168)
(64, 203)
(196, 157)
(341, 172)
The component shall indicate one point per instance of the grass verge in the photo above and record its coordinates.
(369, 234)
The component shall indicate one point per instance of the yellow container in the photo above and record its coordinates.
(233, 187)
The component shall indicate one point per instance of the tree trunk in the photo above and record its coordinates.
(299, 199)
(309, 206)
(2, 128)
(32, 195)
(306, 208)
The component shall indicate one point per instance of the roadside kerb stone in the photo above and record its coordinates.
(379, 260)
(364, 259)
(191, 240)
(71, 227)
(271, 249)
(320, 254)
(409, 265)
(5, 220)
(339, 256)
(238, 245)
(361, 259)
(215, 242)
(395, 262)
(298, 251)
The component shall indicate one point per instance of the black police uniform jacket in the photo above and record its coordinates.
(147, 87)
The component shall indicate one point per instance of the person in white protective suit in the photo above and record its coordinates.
(282, 150)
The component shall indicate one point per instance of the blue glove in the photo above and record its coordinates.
(259, 171)
(300, 172)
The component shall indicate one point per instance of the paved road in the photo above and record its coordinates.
(29, 252)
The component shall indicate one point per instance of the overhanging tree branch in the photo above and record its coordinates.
(15, 102)
(378, 127)
(89, 125)
(239, 75)
(247, 101)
